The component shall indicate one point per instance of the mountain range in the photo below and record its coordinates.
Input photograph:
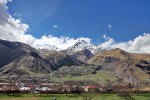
(83, 59)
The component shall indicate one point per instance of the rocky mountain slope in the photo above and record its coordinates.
(10, 51)
(59, 59)
(20, 59)
(128, 66)
(82, 55)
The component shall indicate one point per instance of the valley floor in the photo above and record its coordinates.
(71, 97)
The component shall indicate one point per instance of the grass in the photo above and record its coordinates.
(102, 76)
(71, 97)
(18, 97)
(62, 97)
(142, 97)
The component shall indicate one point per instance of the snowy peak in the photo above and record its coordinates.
(78, 46)
(81, 42)
(81, 45)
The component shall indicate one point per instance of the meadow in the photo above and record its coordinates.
(71, 97)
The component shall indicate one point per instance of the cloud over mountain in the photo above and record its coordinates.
(60, 42)
(140, 44)
(14, 30)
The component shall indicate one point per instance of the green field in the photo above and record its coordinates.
(71, 97)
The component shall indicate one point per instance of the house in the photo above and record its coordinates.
(24, 88)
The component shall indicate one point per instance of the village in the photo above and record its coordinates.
(43, 85)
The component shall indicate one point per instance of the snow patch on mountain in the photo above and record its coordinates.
(81, 45)
(50, 48)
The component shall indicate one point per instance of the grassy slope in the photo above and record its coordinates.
(123, 57)
(101, 76)
(71, 97)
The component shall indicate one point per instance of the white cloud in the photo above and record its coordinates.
(108, 42)
(60, 42)
(55, 26)
(140, 44)
(109, 26)
(4, 2)
(14, 30)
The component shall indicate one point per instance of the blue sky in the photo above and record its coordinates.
(84, 18)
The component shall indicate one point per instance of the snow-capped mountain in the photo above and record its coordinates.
(81, 45)
(78, 46)
(50, 48)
